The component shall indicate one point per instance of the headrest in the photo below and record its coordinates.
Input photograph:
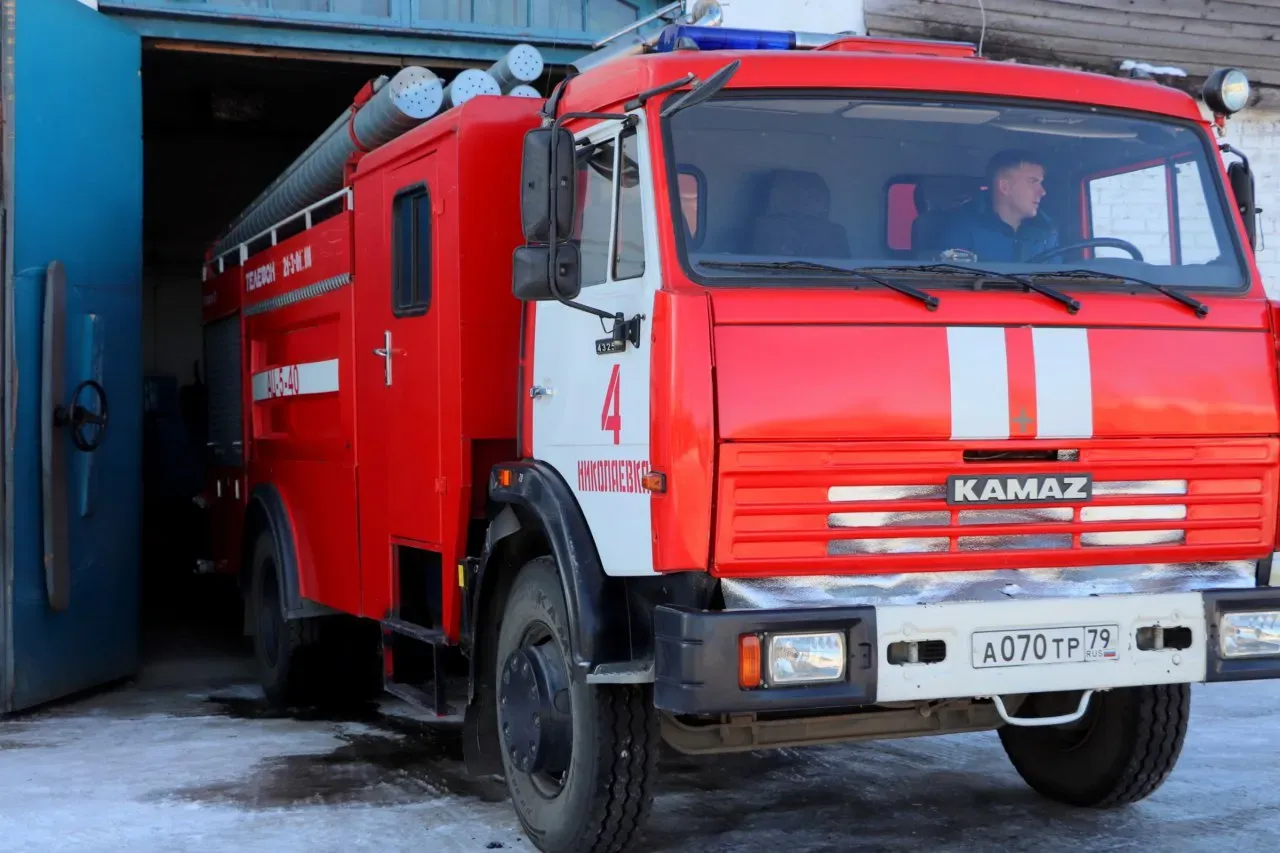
(944, 192)
(793, 193)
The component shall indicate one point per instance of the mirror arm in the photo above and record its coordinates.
(1227, 148)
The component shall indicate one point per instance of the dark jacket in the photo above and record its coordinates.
(988, 236)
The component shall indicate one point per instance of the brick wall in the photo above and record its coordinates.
(1256, 132)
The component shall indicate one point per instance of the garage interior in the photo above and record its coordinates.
(217, 129)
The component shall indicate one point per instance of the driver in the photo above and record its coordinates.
(1007, 224)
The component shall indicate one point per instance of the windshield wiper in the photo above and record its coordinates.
(813, 266)
(1073, 305)
(1190, 301)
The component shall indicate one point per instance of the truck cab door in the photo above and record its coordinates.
(591, 403)
(69, 585)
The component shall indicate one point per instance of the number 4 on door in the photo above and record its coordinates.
(611, 421)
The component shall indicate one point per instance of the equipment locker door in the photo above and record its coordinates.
(397, 359)
(73, 279)
(591, 407)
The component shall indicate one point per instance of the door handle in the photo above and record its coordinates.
(385, 352)
(53, 463)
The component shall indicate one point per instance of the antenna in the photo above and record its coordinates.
(982, 36)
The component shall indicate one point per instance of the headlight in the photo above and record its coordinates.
(806, 658)
(1227, 91)
(1247, 635)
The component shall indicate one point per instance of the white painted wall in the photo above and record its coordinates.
(1256, 132)
(819, 16)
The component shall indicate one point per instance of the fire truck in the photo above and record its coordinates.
(759, 389)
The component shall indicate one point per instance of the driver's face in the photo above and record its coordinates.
(1023, 187)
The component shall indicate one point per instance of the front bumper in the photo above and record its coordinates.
(696, 651)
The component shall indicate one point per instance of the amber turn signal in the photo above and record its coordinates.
(748, 661)
(504, 477)
(654, 481)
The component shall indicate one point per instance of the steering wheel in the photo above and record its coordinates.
(77, 417)
(1103, 242)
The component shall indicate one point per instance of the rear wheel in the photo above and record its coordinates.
(1120, 752)
(579, 759)
(329, 660)
(280, 646)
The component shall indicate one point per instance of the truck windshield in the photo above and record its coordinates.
(861, 181)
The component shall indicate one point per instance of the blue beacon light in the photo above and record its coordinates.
(724, 38)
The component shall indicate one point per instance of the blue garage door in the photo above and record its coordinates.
(72, 385)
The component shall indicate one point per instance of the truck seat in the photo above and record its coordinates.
(938, 200)
(796, 220)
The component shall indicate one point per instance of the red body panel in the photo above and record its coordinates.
(226, 487)
(894, 381)
(301, 418)
(682, 431)
(450, 412)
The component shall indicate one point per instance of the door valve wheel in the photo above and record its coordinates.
(77, 417)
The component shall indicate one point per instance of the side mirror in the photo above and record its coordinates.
(541, 180)
(530, 277)
(1240, 176)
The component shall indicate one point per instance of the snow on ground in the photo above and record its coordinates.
(158, 767)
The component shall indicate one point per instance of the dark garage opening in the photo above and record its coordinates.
(216, 130)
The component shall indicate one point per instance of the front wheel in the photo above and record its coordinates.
(1120, 752)
(579, 759)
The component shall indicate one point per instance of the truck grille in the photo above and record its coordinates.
(799, 509)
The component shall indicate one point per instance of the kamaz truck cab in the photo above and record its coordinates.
(891, 391)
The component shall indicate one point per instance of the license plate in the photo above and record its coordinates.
(1028, 646)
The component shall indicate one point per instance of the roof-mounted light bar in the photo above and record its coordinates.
(678, 36)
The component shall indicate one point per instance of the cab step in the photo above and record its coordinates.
(432, 700)
(430, 636)
(415, 673)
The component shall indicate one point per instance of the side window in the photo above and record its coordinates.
(628, 261)
(595, 210)
(411, 251)
(1198, 241)
(1132, 206)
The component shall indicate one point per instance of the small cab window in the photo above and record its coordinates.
(609, 228)
(595, 210)
(1161, 209)
(628, 246)
(411, 251)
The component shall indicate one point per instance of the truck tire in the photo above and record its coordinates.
(580, 777)
(1120, 752)
(280, 646)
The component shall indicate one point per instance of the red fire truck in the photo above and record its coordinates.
(756, 391)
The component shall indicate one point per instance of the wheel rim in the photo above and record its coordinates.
(535, 715)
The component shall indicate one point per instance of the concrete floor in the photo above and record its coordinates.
(187, 758)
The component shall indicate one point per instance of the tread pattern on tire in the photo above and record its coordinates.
(1152, 729)
(1162, 723)
(626, 735)
(630, 723)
